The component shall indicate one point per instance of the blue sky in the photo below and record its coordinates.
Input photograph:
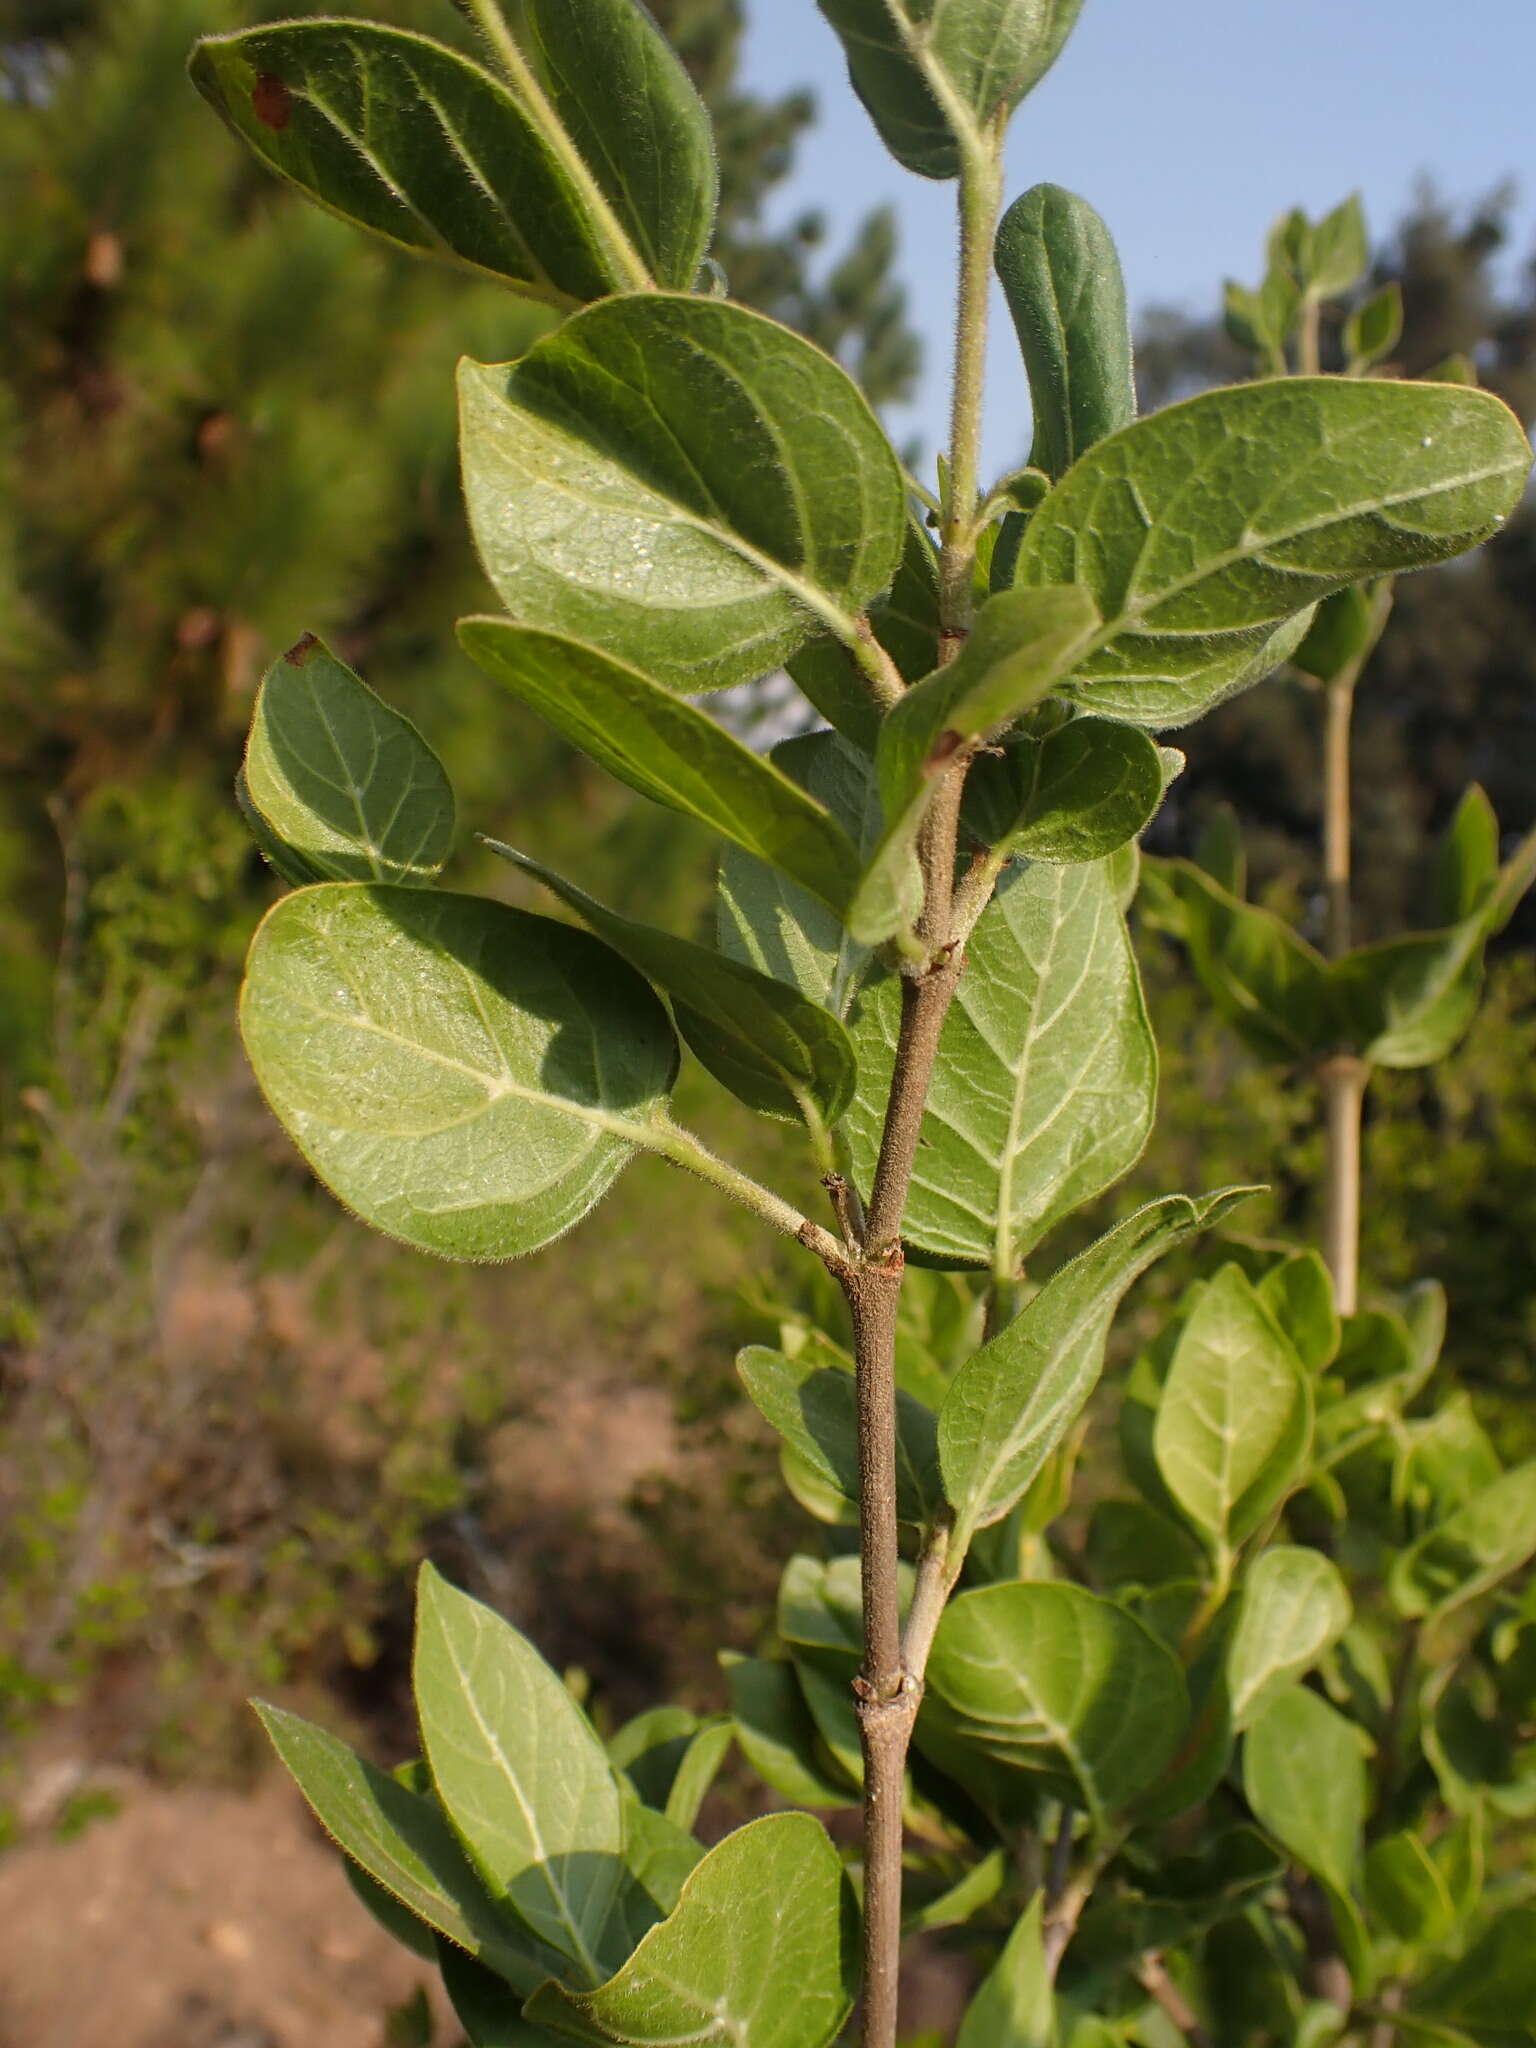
(1189, 124)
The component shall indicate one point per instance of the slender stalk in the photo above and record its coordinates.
(1162, 1990)
(681, 1148)
(1343, 1078)
(889, 1687)
(492, 24)
(1309, 340)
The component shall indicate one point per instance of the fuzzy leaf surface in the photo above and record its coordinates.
(759, 1949)
(403, 1842)
(1078, 793)
(489, 2013)
(464, 1076)
(684, 484)
(1201, 530)
(1013, 1403)
(349, 787)
(934, 76)
(1061, 275)
(670, 751)
(403, 136)
(813, 1407)
(621, 94)
(1294, 1609)
(1046, 1078)
(1048, 1678)
(1235, 1419)
(524, 1780)
(772, 1047)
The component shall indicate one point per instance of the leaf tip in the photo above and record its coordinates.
(303, 649)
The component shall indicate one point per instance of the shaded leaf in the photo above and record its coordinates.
(1012, 1404)
(906, 623)
(1075, 794)
(1298, 1293)
(347, 787)
(760, 1948)
(777, 1735)
(1374, 329)
(1304, 1777)
(1061, 275)
(1013, 2006)
(1201, 530)
(489, 2013)
(1494, 1983)
(813, 1406)
(1051, 1679)
(523, 1778)
(464, 1076)
(684, 484)
(668, 750)
(403, 136)
(1044, 1088)
(772, 1047)
(1493, 1535)
(1405, 1891)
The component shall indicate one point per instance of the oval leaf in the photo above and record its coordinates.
(716, 1975)
(1013, 2006)
(936, 79)
(814, 1408)
(1304, 1777)
(684, 484)
(1049, 1678)
(1201, 530)
(670, 751)
(620, 92)
(1046, 1079)
(1235, 1419)
(349, 787)
(1472, 1550)
(1061, 275)
(778, 1738)
(1294, 1609)
(466, 1077)
(524, 1780)
(772, 1047)
(1079, 793)
(1012, 1404)
(403, 136)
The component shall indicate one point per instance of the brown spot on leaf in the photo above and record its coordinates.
(301, 650)
(271, 101)
(943, 750)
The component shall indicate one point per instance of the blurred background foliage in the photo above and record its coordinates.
(230, 1420)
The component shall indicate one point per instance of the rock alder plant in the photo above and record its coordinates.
(1222, 1760)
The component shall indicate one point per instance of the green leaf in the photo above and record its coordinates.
(621, 94)
(1467, 859)
(779, 927)
(1304, 1776)
(1494, 1983)
(1406, 1002)
(1262, 321)
(962, 1900)
(772, 1047)
(401, 135)
(906, 623)
(347, 787)
(283, 861)
(1294, 1609)
(1200, 531)
(936, 79)
(658, 1858)
(1014, 2006)
(1022, 644)
(463, 1076)
(760, 1949)
(1404, 1890)
(1268, 984)
(1344, 629)
(1077, 794)
(1340, 250)
(1235, 1420)
(1050, 1679)
(403, 1842)
(1471, 1551)
(1013, 1403)
(489, 2013)
(1061, 274)
(1374, 329)
(820, 1611)
(686, 485)
(396, 1919)
(668, 750)
(523, 1778)
(1298, 1293)
(1045, 1083)
(778, 1738)
(1131, 1544)
(671, 1758)
(813, 1407)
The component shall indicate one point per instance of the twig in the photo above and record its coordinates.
(1161, 1989)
